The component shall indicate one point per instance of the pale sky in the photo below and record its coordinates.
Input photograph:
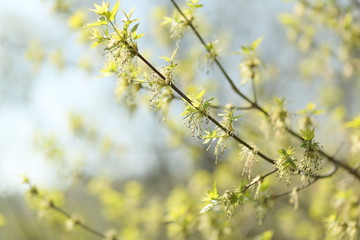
(51, 94)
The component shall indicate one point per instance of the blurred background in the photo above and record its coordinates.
(63, 126)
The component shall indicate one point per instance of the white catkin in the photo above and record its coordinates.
(250, 158)
(294, 198)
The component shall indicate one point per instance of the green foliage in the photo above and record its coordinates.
(166, 204)
(230, 200)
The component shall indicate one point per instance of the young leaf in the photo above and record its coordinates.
(101, 10)
(174, 53)
(256, 43)
(114, 11)
(135, 27)
(200, 94)
(98, 23)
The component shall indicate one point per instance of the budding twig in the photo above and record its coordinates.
(254, 103)
(33, 191)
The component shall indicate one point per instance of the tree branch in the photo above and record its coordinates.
(317, 177)
(255, 105)
(34, 192)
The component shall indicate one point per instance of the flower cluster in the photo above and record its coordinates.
(121, 48)
(128, 86)
(311, 160)
(249, 67)
(159, 87)
(285, 164)
(354, 125)
(161, 94)
(178, 24)
(219, 134)
(211, 54)
(341, 228)
(249, 155)
(119, 52)
(230, 200)
(279, 117)
(308, 114)
(344, 223)
(294, 197)
(196, 112)
(355, 142)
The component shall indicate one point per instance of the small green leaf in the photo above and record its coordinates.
(98, 23)
(174, 53)
(308, 134)
(135, 27)
(200, 94)
(101, 10)
(167, 20)
(94, 44)
(166, 58)
(213, 193)
(114, 11)
(128, 15)
(138, 36)
(282, 151)
(256, 43)
(291, 162)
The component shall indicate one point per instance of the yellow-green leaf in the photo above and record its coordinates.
(200, 94)
(256, 43)
(98, 23)
(114, 11)
(355, 123)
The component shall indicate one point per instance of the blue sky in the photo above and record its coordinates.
(41, 101)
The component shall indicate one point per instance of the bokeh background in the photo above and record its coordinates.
(62, 125)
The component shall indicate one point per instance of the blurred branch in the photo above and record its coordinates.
(254, 89)
(33, 191)
(356, 3)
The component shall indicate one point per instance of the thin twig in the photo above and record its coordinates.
(222, 127)
(188, 100)
(254, 89)
(307, 185)
(256, 180)
(230, 107)
(228, 78)
(65, 213)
